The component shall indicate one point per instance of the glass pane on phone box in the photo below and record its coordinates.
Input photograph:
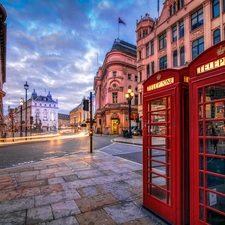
(214, 92)
(158, 104)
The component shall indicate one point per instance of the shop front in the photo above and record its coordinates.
(207, 137)
(165, 145)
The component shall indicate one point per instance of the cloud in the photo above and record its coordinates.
(53, 45)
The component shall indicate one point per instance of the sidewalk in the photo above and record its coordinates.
(135, 140)
(84, 188)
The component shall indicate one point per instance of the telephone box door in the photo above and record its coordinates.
(159, 155)
(165, 145)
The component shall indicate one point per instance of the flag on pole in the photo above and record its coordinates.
(121, 21)
(158, 8)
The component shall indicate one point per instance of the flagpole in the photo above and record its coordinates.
(118, 30)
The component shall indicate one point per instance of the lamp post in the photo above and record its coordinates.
(129, 95)
(26, 86)
(21, 108)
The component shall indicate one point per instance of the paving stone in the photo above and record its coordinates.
(27, 192)
(106, 179)
(64, 221)
(77, 184)
(40, 214)
(79, 166)
(56, 197)
(135, 182)
(64, 173)
(10, 195)
(52, 166)
(95, 218)
(124, 212)
(15, 205)
(65, 209)
(20, 169)
(141, 221)
(56, 180)
(45, 176)
(18, 218)
(29, 173)
(40, 167)
(51, 188)
(96, 202)
(6, 179)
(70, 178)
(7, 186)
(63, 168)
(7, 182)
(26, 178)
(3, 172)
(115, 185)
(89, 191)
(36, 183)
(54, 170)
(123, 194)
(139, 172)
(137, 191)
(89, 173)
(132, 166)
(118, 169)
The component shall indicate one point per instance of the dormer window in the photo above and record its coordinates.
(145, 33)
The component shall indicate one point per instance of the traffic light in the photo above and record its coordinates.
(86, 105)
(31, 119)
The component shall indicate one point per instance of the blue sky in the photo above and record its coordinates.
(54, 44)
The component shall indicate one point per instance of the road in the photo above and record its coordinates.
(27, 152)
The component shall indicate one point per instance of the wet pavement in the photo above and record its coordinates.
(93, 189)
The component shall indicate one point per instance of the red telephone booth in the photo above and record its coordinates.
(207, 137)
(166, 145)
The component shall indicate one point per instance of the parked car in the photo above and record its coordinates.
(136, 132)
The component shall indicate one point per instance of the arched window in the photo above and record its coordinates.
(175, 58)
(216, 36)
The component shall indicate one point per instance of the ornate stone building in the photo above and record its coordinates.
(42, 114)
(112, 80)
(3, 27)
(184, 29)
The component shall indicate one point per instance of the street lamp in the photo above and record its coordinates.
(26, 86)
(21, 105)
(129, 95)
